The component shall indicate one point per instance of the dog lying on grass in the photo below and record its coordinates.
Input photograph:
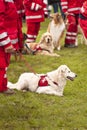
(44, 47)
(50, 83)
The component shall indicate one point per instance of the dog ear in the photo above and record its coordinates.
(42, 39)
(52, 16)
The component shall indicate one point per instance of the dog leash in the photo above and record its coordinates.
(25, 61)
(37, 49)
(32, 52)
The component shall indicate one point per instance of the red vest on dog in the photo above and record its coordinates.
(43, 82)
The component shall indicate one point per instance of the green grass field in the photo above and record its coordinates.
(32, 111)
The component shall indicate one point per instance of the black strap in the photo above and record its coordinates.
(82, 17)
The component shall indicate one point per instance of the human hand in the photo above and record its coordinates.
(10, 49)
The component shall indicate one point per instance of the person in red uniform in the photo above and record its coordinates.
(71, 8)
(34, 11)
(8, 39)
(83, 19)
(21, 13)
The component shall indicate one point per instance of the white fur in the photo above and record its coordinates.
(29, 81)
(56, 28)
(56, 31)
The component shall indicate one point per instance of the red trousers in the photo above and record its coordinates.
(72, 29)
(4, 62)
(32, 31)
(20, 34)
(83, 25)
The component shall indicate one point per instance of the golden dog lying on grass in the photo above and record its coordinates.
(44, 47)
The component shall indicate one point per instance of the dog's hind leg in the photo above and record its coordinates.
(19, 85)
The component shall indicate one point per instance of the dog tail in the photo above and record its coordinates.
(11, 85)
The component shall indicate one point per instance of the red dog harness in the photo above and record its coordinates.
(43, 81)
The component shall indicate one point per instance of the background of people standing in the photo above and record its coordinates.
(21, 13)
(56, 4)
(83, 19)
(71, 9)
(35, 14)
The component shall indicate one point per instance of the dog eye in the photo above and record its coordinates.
(68, 71)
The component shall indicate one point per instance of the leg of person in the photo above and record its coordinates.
(71, 33)
(3, 82)
(3, 86)
(4, 62)
(55, 7)
(83, 25)
(31, 36)
(37, 28)
(63, 15)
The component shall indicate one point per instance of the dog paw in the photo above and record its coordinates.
(57, 55)
(58, 48)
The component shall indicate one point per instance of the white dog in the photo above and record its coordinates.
(50, 83)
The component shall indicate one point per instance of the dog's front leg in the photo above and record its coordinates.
(47, 90)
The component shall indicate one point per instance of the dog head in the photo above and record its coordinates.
(66, 72)
(46, 39)
(56, 17)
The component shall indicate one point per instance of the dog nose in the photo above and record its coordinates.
(48, 40)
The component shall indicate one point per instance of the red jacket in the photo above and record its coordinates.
(20, 7)
(21, 13)
(71, 6)
(83, 10)
(8, 23)
(8, 30)
(34, 10)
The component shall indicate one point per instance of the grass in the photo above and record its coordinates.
(31, 111)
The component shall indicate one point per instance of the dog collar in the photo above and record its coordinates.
(38, 48)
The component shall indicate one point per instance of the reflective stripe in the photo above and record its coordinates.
(71, 33)
(74, 9)
(19, 11)
(31, 36)
(14, 41)
(5, 42)
(30, 40)
(6, 68)
(37, 7)
(23, 11)
(45, 1)
(64, 3)
(5, 76)
(82, 10)
(71, 38)
(33, 17)
(32, 6)
(64, 7)
(9, 1)
(3, 35)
